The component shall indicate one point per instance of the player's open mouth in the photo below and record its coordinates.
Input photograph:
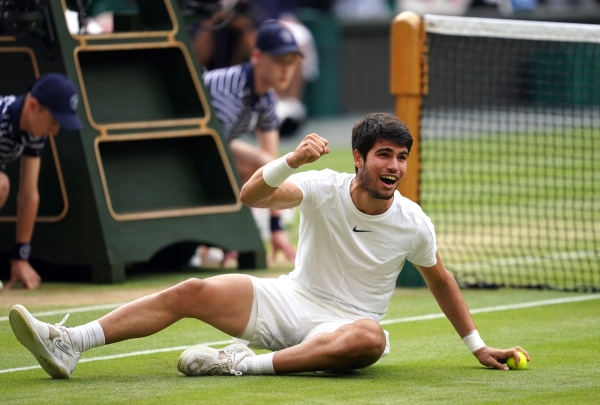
(389, 180)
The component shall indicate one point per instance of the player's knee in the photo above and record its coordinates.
(183, 294)
(368, 339)
(191, 287)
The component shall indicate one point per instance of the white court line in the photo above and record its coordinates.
(498, 308)
(385, 322)
(72, 310)
(118, 356)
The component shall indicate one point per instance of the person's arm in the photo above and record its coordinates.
(267, 187)
(268, 141)
(203, 42)
(444, 288)
(27, 206)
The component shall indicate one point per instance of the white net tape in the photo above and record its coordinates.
(514, 29)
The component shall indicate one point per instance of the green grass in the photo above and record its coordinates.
(428, 362)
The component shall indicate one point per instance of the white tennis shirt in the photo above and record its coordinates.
(352, 258)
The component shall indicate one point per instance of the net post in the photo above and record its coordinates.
(407, 85)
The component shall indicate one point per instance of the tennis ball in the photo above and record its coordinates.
(513, 365)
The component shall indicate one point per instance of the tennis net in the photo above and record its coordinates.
(510, 151)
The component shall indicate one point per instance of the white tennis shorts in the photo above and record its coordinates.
(284, 315)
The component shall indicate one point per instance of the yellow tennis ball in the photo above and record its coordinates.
(513, 365)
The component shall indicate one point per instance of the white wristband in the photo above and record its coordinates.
(277, 171)
(473, 341)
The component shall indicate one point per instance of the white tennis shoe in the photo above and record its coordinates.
(51, 345)
(204, 360)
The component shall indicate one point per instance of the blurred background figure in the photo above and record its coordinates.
(290, 110)
(227, 38)
(244, 100)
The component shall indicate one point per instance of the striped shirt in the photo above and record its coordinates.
(14, 143)
(239, 109)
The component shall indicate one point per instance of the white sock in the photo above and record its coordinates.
(259, 365)
(88, 336)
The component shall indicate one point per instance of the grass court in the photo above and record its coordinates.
(428, 362)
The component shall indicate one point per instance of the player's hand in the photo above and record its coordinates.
(280, 242)
(490, 357)
(310, 149)
(21, 271)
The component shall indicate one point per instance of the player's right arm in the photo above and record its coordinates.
(264, 189)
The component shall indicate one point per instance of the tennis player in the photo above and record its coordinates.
(356, 232)
(244, 98)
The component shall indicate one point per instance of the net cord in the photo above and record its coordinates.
(514, 29)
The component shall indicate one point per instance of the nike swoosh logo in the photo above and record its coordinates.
(359, 230)
(58, 344)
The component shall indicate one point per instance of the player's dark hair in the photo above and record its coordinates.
(378, 126)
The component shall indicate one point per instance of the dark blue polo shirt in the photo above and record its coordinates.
(14, 143)
(239, 109)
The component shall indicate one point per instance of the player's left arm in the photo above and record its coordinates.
(444, 288)
(28, 199)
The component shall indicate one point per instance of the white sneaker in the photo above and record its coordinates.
(204, 360)
(196, 260)
(51, 345)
